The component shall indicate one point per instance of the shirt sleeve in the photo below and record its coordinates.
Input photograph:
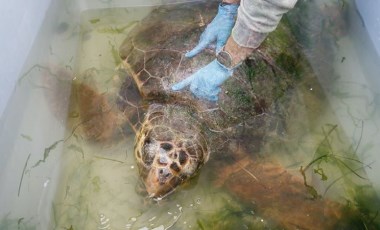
(257, 18)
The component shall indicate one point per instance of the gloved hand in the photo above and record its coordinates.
(205, 83)
(218, 30)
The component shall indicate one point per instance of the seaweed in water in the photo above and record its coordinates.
(26, 137)
(115, 54)
(325, 153)
(17, 224)
(95, 20)
(363, 198)
(22, 175)
(108, 159)
(117, 29)
(39, 68)
(234, 216)
(367, 202)
(47, 152)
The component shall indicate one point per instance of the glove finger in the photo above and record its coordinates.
(182, 84)
(206, 41)
(196, 50)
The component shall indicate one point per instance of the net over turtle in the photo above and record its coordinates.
(179, 131)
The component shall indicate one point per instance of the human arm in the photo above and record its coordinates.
(256, 18)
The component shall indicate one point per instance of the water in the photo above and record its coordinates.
(99, 180)
(98, 183)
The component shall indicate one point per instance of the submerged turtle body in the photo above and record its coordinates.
(179, 131)
(176, 133)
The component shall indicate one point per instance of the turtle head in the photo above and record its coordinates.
(164, 165)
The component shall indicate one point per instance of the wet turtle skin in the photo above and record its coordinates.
(180, 132)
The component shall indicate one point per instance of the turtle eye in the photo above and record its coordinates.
(147, 159)
(182, 157)
(148, 153)
(166, 146)
(147, 141)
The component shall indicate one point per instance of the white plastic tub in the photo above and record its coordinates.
(35, 36)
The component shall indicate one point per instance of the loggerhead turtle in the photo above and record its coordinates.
(180, 132)
(177, 133)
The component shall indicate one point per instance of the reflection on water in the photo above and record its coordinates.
(99, 187)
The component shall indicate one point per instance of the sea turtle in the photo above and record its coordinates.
(180, 132)
(177, 133)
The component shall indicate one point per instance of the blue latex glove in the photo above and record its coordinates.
(218, 30)
(206, 82)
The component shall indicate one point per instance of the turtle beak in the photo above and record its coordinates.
(160, 182)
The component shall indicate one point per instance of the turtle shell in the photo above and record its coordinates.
(178, 125)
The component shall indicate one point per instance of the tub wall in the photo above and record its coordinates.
(19, 25)
(369, 12)
(34, 41)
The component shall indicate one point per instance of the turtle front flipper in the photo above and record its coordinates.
(104, 113)
(130, 104)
